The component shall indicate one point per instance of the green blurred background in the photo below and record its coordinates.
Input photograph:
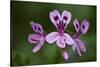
(24, 12)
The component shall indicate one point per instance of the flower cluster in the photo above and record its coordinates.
(59, 37)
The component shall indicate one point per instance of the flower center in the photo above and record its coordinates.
(60, 26)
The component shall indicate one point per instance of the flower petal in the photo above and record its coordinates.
(74, 46)
(76, 25)
(34, 26)
(68, 39)
(79, 52)
(34, 38)
(66, 17)
(37, 48)
(60, 42)
(54, 16)
(84, 26)
(52, 37)
(39, 45)
(40, 29)
(65, 55)
(81, 45)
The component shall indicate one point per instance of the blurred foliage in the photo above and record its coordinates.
(24, 12)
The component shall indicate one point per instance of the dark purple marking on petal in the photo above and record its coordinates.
(35, 27)
(77, 25)
(59, 22)
(57, 25)
(65, 18)
(64, 40)
(56, 18)
(83, 27)
(39, 29)
(64, 24)
(33, 39)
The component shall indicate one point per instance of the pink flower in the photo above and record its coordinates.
(60, 22)
(81, 29)
(61, 38)
(37, 38)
